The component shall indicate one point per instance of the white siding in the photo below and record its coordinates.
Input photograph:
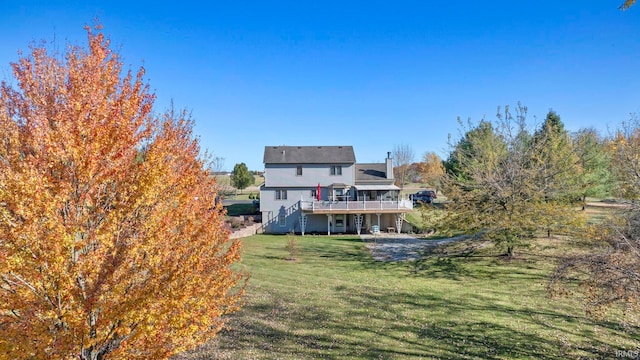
(284, 175)
(280, 177)
(271, 208)
(268, 200)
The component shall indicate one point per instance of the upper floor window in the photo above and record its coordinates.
(299, 170)
(281, 194)
(336, 170)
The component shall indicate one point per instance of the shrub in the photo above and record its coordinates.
(292, 246)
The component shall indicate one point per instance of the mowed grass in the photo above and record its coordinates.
(224, 181)
(336, 302)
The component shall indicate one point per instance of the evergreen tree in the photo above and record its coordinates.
(557, 163)
(464, 150)
(500, 185)
(595, 178)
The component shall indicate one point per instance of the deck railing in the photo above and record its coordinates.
(328, 205)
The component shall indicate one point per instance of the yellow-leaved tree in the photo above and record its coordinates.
(431, 169)
(627, 4)
(111, 242)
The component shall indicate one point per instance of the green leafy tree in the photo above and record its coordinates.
(624, 149)
(609, 274)
(556, 160)
(595, 178)
(464, 150)
(498, 186)
(241, 177)
(556, 156)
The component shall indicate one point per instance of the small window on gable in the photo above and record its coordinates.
(336, 170)
(299, 170)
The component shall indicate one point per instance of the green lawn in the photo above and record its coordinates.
(240, 209)
(232, 193)
(335, 302)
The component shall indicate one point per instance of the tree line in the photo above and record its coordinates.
(509, 183)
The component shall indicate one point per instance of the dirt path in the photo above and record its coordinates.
(402, 247)
(612, 205)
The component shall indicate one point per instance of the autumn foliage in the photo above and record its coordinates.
(111, 242)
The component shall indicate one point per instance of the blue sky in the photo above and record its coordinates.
(365, 73)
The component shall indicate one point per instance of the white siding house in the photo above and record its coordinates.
(321, 189)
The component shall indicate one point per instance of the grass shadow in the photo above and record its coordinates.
(240, 209)
(338, 302)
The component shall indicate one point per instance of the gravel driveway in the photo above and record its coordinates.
(401, 247)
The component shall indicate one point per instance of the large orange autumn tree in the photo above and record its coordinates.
(111, 242)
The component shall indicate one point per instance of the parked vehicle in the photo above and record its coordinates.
(425, 196)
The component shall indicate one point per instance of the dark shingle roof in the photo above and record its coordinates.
(309, 155)
(368, 172)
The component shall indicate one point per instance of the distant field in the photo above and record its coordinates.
(226, 180)
(336, 302)
(232, 193)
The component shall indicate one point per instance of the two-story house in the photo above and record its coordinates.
(322, 189)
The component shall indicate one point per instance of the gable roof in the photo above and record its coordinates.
(309, 155)
(371, 172)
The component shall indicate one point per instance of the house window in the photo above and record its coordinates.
(281, 194)
(314, 193)
(336, 170)
(282, 220)
(339, 220)
(299, 170)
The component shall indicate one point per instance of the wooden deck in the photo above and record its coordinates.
(357, 207)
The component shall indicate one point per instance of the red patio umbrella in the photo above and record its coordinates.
(318, 192)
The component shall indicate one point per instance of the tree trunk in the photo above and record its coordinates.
(89, 354)
(102, 352)
(509, 251)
